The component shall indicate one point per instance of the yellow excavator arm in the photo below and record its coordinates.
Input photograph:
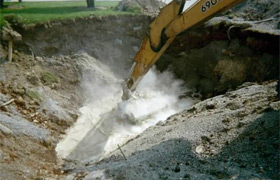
(170, 22)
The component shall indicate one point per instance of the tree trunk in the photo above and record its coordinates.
(1, 3)
(90, 4)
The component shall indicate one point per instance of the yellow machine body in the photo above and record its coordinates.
(170, 22)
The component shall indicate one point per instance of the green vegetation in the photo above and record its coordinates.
(34, 95)
(33, 12)
(131, 7)
(48, 78)
(134, 9)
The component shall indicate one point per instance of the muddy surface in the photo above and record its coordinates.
(232, 133)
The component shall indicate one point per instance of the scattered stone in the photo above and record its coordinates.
(241, 124)
(20, 101)
(243, 165)
(5, 130)
(226, 121)
(219, 174)
(177, 168)
(18, 90)
(199, 149)
(192, 110)
(40, 59)
(226, 129)
(34, 80)
(202, 161)
(210, 105)
(182, 53)
(232, 106)
(187, 176)
(47, 142)
(4, 108)
(205, 139)
(275, 105)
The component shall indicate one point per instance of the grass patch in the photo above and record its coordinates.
(33, 12)
(48, 78)
(34, 95)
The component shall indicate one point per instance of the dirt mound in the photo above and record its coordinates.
(224, 137)
(259, 10)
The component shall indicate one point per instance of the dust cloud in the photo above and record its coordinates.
(106, 121)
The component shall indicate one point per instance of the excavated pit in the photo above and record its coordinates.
(209, 60)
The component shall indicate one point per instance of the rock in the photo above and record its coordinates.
(231, 16)
(20, 101)
(182, 53)
(5, 130)
(47, 142)
(4, 108)
(177, 168)
(56, 113)
(18, 90)
(226, 120)
(275, 105)
(210, 105)
(137, 28)
(199, 149)
(34, 80)
(241, 124)
(230, 70)
(232, 106)
(205, 139)
(219, 174)
(20, 126)
(40, 59)
(187, 176)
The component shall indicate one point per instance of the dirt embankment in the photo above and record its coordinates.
(45, 83)
(211, 58)
(110, 39)
(215, 58)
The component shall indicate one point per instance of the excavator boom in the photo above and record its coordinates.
(170, 22)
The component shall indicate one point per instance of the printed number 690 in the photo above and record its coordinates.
(207, 5)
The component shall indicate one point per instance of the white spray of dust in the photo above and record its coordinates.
(106, 121)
